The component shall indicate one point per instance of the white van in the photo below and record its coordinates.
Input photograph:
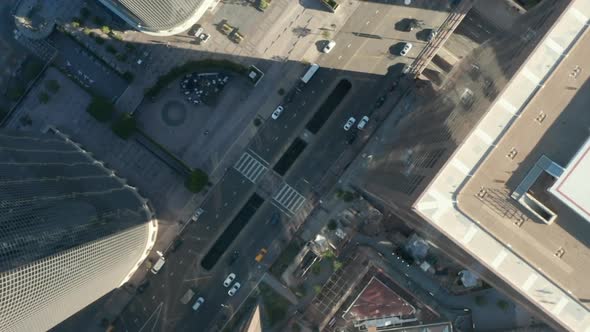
(158, 265)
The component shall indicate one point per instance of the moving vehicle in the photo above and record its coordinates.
(233, 289)
(260, 255)
(197, 304)
(349, 123)
(310, 72)
(277, 112)
(234, 257)
(187, 296)
(229, 279)
(363, 122)
(329, 46)
(156, 268)
(406, 49)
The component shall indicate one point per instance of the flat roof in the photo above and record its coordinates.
(377, 300)
(573, 186)
(469, 199)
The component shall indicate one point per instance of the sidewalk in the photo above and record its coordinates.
(280, 288)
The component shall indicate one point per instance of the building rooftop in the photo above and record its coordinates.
(532, 240)
(572, 187)
(377, 300)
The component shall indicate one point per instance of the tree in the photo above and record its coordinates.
(105, 29)
(84, 13)
(317, 289)
(43, 98)
(257, 122)
(124, 126)
(332, 224)
(502, 304)
(52, 86)
(481, 300)
(101, 109)
(197, 180)
(337, 265)
(316, 268)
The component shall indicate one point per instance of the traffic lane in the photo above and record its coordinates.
(276, 135)
(331, 141)
(248, 271)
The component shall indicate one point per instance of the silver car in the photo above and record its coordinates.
(275, 115)
(197, 304)
(229, 279)
(329, 46)
(233, 289)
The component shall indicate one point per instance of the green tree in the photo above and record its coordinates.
(43, 98)
(101, 109)
(317, 289)
(332, 224)
(316, 268)
(481, 300)
(105, 29)
(52, 86)
(15, 91)
(337, 265)
(84, 13)
(502, 304)
(197, 180)
(111, 49)
(124, 126)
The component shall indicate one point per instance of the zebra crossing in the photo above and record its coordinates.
(250, 167)
(289, 198)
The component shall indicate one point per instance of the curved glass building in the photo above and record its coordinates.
(70, 230)
(160, 17)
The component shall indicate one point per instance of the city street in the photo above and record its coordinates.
(159, 307)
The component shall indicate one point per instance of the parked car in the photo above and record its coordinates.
(199, 302)
(406, 49)
(277, 112)
(233, 289)
(141, 288)
(363, 122)
(204, 37)
(260, 256)
(195, 30)
(230, 278)
(329, 46)
(432, 34)
(349, 123)
(275, 218)
(197, 214)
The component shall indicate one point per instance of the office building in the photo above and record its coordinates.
(494, 166)
(70, 230)
(160, 17)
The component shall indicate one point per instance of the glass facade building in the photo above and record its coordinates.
(70, 230)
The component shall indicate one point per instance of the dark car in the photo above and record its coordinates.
(177, 243)
(275, 219)
(351, 137)
(141, 288)
(234, 257)
(408, 24)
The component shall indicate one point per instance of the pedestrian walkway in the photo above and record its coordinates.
(289, 198)
(250, 167)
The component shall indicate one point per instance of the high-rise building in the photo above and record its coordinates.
(493, 166)
(160, 17)
(70, 230)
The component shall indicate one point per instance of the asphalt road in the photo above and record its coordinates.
(159, 308)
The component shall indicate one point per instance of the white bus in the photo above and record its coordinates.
(310, 72)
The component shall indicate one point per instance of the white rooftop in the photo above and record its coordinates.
(572, 186)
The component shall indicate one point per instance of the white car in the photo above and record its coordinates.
(199, 211)
(277, 112)
(432, 34)
(406, 49)
(363, 122)
(349, 123)
(233, 289)
(197, 304)
(204, 37)
(229, 279)
(329, 46)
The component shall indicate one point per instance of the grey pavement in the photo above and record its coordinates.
(270, 280)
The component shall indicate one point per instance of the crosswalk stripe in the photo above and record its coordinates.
(289, 198)
(250, 167)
